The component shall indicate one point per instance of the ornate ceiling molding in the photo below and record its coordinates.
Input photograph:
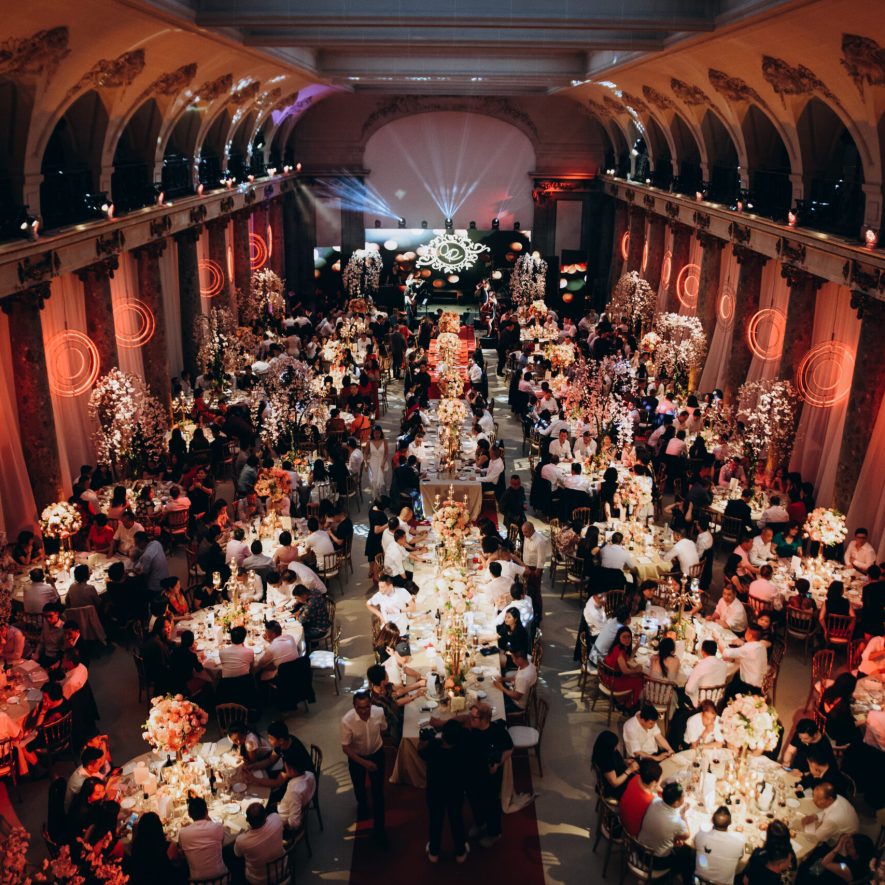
(599, 109)
(110, 73)
(788, 80)
(41, 53)
(171, 83)
(213, 89)
(613, 105)
(635, 102)
(248, 92)
(36, 268)
(864, 60)
(688, 94)
(793, 253)
(658, 99)
(735, 89)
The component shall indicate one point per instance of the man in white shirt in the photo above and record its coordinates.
(355, 458)
(765, 591)
(236, 549)
(703, 728)
(594, 613)
(361, 730)
(280, 649)
(664, 832)
(775, 514)
(708, 672)
(761, 551)
(860, 554)
(235, 658)
(486, 421)
(299, 573)
(704, 540)
(390, 603)
(177, 501)
(561, 446)
(474, 373)
(753, 659)
(261, 843)
(396, 560)
(497, 590)
(535, 547)
(718, 852)
(835, 816)
(518, 685)
(124, 536)
(676, 446)
(556, 424)
(493, 472)
(202, 842)
(643, 738)
(300, 790)
(38, 593)
(551, 473)
(574, 480)
(585, 447)
(518, 600)
(90, 766)
(729, 611)
(318, 540)
(684, 550)
(76, 674)
(613, 555)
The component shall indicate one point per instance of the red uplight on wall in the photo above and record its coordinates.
(625, 244)
(72, 362)
(269, 241)
(211, 277)
(230, 263)
(139, 319)
(688, 282)
(666, 268)
(644, 258)
(765, 333)
(725, 306)
(824, 375)
(258, 251)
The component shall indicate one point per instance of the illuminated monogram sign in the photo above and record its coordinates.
(450, 252)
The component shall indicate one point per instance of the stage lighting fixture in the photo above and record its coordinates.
(271, 171)
(517, 225)
(298, 167)
(423, 225)
(473, 225)
(450, 225)
(159, 193)
(495, 224)
(30, 226)
(401, 222)
(99, 204)
(377, 222)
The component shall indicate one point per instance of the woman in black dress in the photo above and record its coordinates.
(613, 771)
(377, 524)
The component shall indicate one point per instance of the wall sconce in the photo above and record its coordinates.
(792, 218)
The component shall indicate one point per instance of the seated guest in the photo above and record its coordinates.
(202, 842)
(38, 593)
(156, 652)
(12, 644)
(391, 602)
(610, 765)
(752, 656)
(300, 790)
(261, 843)
(517, 686)
(186, 671)
(124, 535)
(806, 737)
(100, 538)
(702, 729)
(683, 551)
(281, 648)
(718, 852)
(730, 612)
(822, 769)
(765, 591)
(643, 738)
(628, 671)
(872, 614)
(311, 610)
(151, 857)
(836, 602)
(81, 592)
(52, 635)
(835, 707)
(237, 549)
(318, 543)
(835, 817)
(90, 766)
(767, 865)
(257, 560)
(708, 672)
(849, 860)
(638, 795)
(665, 832)
(75, 673)
(859, 553)
(788, 542)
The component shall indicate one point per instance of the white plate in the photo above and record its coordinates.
(481, 695)
(239, 788)
(12, 700)
(127, 802)
(232, 807)
(792, 803)
(427, 703)
(423, 723)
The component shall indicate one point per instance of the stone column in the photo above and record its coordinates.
(681, 248)
(155, 355)
(100, 311)
(35, 416)
(353, 233)
(749, 288)
(276, 246)
(800, 319)
(617, 261)
(242, 268)
(290, 243)
(189, 293)
(864, 400)
(657, 228)
(708, 282)
(305, 242)
(636, 226)
(218, 253)
(543, 223)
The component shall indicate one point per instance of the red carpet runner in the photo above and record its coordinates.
(516, 858)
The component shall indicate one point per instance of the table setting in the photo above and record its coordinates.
(869, 695)
(20, 686)
(60, 568)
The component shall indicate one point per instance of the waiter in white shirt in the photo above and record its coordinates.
(361, 730)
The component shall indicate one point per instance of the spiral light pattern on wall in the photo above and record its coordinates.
(72, 362)
(824, 375)
(139, 319)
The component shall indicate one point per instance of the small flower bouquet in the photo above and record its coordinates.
(273, 483)
(560, 355)
(825, 526)
(449, 322)
(174, 724)
(749, 722)
(61, 520)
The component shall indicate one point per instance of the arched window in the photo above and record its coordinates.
(725, 180)
(689, 156)
(769, 165)
(178, 156)
(133, 178)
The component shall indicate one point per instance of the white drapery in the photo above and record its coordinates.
(666, 271)
(124, 291)
(719, 346)
(205, 275)
(868, 503)
(65, 311)
(819, 437)
(689, 284)
(766, 333)
(172, 306)
(17, 507)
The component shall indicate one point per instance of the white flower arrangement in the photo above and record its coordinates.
(683, 344)
(448, 348)
(748, 721)
(266, 305)
(560, 355)
(288, 394)
(222, 347)
(450, 382)
(768, 410)
(333, 351)
(362, 274)
(60, 520)
(632, 297)
(826, 526)
(651, 341)
(451, 522)
(131, 423)
(174, 724)
(528, 280)
(449, 322)
(636, 493)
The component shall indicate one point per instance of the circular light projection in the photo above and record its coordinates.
(230, 264)
(72, 362)
(138, 320)
(453, 278)
(496, 275)
(666, 268)
(688, 283)
(824, 375)
(516, 246)
(258, 252)
(625, 244)
(644, 257)
(437, 284)
(563, 282)
(211, 277)
(765, 333)
(269, 241)
(725, 305)
(510, 256)
(391, 245)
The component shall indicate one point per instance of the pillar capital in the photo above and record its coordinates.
(799, 278)
(101, 270)
(709, 241)
(746, 255)
(36, 295)
(153, 250)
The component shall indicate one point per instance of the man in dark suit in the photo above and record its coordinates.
(739, 508)
(407, 480)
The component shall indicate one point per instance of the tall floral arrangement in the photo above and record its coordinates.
(287, 393)
(561, 355)
(448, 348)
(826, 526)
(273, 483)
(174, 724)
(362, 274)
(130, 423)
(682, 348)
(767, 410)
(452, 415)
(749, 722)
(221, 345)
(599, 392)
(266, 304)
(451, 522)
(450, 382)
(528, 280)
(449, 322)
(633, 297)
(60, 520)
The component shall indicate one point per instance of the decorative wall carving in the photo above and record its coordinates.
(658, 99)
(740, 233)
(629, 194)
(248, 92)
(634, 101)
(701, 220)
(734, 89)
(864, 60)
(249, 197)
(688, 94)
(101, 270)
(198, 214)
(34, 269)
(792, 252)
(268, 191)
(268, 99)
(796, 276)
(599, 109)
(110, 244)
(226, 205)
(38, 294)
(40, 53)
(613, 105)
(171, 83)
(861, 276)
(404, 105)
(160, 226)
(212, 89)
(672, 209)
(649, 201)
(111, 73)
(788, 80)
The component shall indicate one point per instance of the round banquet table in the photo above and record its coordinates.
(233, 795)
(22, 691)
(98, 566)
(750, 822)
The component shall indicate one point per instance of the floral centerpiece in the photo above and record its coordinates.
(452, 414)
(768, 411)
(131, 423)
(358, 305)
(217, 344)
(826, 526)
(266, 304)
(233, 614)
(273, 483)
(636, 494)
(683, 347)
(560, 355)
(333, 351)
(174, 724)
(748, 722)
(362, 274)
(60, 520)
(449, 322)
(632, 297)
(451, 522)
(651, 341)
(450, 382)
(528, 280)
(287, 396)
(448, 347)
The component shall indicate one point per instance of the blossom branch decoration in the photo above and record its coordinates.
(633, 297)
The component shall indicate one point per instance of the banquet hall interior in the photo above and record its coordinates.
(442, 440)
